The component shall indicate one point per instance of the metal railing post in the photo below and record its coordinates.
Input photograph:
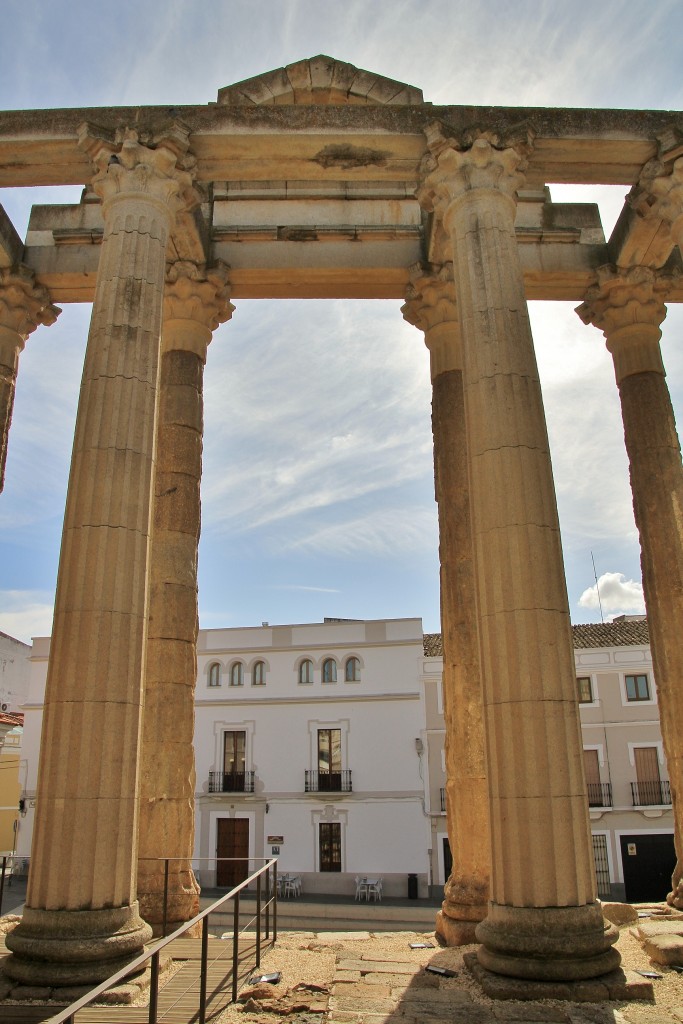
(2, 880)
(268, 899)
(154, 989)
(165, 920)
(204, 969)
(274, 901)
(235, 945)
(258, 921)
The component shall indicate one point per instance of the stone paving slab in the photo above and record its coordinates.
(648, 929)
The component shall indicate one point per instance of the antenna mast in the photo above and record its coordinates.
(597, 587)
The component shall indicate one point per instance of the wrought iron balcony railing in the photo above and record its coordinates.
(599, 794)
(231, 782)
(328, 782)
(443, 801)
(647, 794)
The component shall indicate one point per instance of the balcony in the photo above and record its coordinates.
(599, 794)
(328, 782)
(651, 794)
(231, 782)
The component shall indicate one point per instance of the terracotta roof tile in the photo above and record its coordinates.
(623, 632)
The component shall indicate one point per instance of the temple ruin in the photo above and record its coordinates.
(321, 180)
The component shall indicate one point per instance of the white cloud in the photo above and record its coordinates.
(617, 595)
(25, 614)
(297, 586)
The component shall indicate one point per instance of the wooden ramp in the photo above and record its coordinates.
(178, 997)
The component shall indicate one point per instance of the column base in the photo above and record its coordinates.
(456, 923)
(74, 947)
(548, 943)
(675, 897)
(182, 900)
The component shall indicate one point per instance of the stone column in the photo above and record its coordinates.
(81, 920)
(196, 301)
(628, 306)
(23, 305)
(544, 921)
(431, 307)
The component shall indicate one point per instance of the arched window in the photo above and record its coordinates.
(237, 674)
(258, 674)
(306, 671)
(329, 670)
(215, 674)
(352, 670)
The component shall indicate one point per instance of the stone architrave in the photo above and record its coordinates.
(628, 306)
(23, 305)
(196, 301)
(544, 920)
(81, 921)
(431, 307)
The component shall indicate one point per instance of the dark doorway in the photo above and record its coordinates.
(648, 861)
(447, 861)
(232, 840)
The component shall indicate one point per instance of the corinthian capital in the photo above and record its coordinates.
(196, 301)
(430, 296)
(628, 306)
(478, 160)
(134, 163)
(659, 190)
(622, 298)
(23, 303)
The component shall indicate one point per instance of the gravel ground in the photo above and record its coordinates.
(311, 958)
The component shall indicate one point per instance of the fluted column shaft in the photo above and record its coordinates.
(81, 917)
(23, 305)
(431, 307)
(195, 302)
(543, 919)
(628, 306)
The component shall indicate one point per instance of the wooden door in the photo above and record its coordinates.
(232, 840)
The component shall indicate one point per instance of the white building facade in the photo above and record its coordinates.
(322, 744)
(307, 748)
(626, 776)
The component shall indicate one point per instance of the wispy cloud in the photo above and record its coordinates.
(298, 586)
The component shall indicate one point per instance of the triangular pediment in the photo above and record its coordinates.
(319, 80)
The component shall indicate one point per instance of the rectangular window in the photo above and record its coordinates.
(637, 687)
(585, 688)
(329, 838)
(234, 753)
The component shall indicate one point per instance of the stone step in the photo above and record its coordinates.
(298, 915)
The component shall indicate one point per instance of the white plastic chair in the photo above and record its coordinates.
(361, 888)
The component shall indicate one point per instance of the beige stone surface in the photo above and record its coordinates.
(619, 913)
(431, 306)
(100, 622)
(23, 306)
(628, 306)
(195, 302)
(536, 783)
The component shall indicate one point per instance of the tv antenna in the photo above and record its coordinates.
(597, 588)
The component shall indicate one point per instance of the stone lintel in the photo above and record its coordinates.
(248, 142)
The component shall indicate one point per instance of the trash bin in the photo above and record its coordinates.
(412, 887)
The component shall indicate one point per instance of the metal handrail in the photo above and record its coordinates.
(66, 1016)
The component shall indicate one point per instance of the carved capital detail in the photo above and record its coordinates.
(628, 306)
(430, 296)
(23, 303)
(659, 192)
(134, 163)
(622, 298)
(478, 160)
(199, 293)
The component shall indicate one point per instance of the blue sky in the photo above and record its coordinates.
(318, 490)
